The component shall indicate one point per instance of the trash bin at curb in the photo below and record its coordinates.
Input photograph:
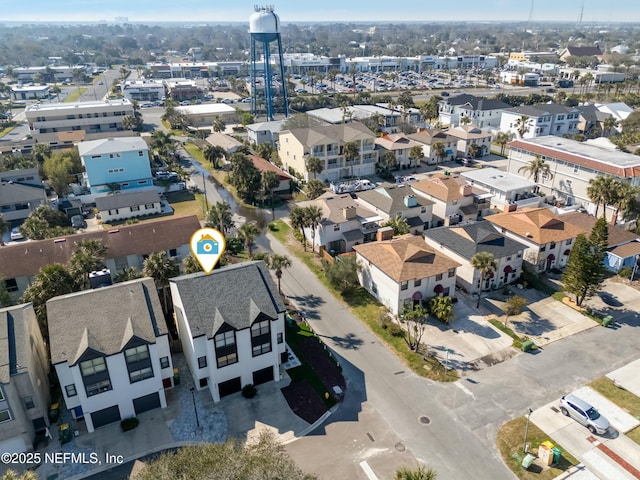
(528, 460)
(557, 454)
(176, 376)
(606, 321)
(527, 345)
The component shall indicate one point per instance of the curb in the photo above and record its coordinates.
(313, 426)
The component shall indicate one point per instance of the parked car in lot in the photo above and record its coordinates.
(584, 413)
(16, 234)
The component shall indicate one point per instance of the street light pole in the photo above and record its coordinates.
(526, 431)
(195, 409)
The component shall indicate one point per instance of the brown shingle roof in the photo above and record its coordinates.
(617, 236)
(333, 205)
(264, 166)
(406, 257)
(26, 259)
(539, 225)
(430, 136)
(627, 250)
(443, 187)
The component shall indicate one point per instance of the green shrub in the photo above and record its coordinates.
(129, 423)
(395, 330)
(625, 272)
(249, 390)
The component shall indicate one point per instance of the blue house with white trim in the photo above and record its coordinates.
(123, 161)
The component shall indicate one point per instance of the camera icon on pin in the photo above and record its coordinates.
(207, 246)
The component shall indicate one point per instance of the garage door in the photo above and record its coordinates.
(13, 445)
(148, 402)
(229, 387)
(105, 416)
(263, 376)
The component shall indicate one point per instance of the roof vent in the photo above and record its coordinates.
(528, 235)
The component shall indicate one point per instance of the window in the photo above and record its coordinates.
(569, 241)
(5, 416)
(374, 287)
(576, 169)
(226, 349)
(404, 285)
(439, 276)
(71, 390)
(202, 362)
(552, 246)
(417, 282)
(508, 259)
(28, 402)
(173, 252)
(451, 273)
(11, 285)
(95, 376)
(280, 338)
(149, 206)
(138, 363)
(164, 362)
(260, 337)
(140, 154)
(1, 395)
(135, 208)
(336, 227)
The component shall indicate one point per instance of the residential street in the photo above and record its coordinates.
(459, 441)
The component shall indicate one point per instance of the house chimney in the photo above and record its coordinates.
(384, 233)
(349, 212)
(410, 201)
(465, 190)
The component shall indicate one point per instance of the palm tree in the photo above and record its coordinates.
(439, 150)
(220, 217)
(609, 124)
(190, 264)
(624, 194)
(466, 120)
(536, 168)
(417, 154)
(315, 166)
(314, 189)
(13, 475)
(522, 125)
(502, 138)
(88, 257)
(597, 191)
(351, 151)
(420, 473)
(213, 153)
(485, 262)
(398, 224)
(4, 226)
(270, 181)
(474, 150)
(161, 268)
(298, 222)
(248, 233)
(277, 263)
(127, 274)
(313, 217)
(264, 150)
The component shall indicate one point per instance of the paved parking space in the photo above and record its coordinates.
(618, 418)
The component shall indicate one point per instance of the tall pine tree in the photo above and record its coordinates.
(585, 270)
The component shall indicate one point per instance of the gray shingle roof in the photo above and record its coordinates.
(121, 200)
(472, 238)
(391, 199)
(13, 340)
(477, 103)
(16, 193)
(234, 295)
(346, 132)
(104, 320)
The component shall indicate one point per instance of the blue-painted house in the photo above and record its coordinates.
(123, 161)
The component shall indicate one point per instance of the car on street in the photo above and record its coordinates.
(16, 234)
(444, 94)
(584, 413)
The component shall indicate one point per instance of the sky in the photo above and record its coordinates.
(216, 11)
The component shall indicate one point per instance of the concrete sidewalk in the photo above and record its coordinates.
(628, 377)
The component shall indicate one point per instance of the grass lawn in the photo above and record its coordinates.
(510, 442)
(634, 434)
(6, 130)
(75, 95)
(367, 309)
(621, 397)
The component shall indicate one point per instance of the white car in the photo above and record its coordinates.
(16, 234)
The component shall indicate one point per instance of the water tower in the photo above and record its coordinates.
(264, 27)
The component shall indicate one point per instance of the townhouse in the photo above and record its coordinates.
(483, 112)
(541, 120)
(123, 206)
(573, 164)
(345, 223)
(454, 199)
(428, 138)
(400, 145)
(231, 325)
(468, 135)
(115, 162)
(404, 271)
(110, 350)
(24, 380)
(127, 246)
(508, 191)
(18, 200)
(399, 201)
(548, 237)
(461, 243)
(327, 144)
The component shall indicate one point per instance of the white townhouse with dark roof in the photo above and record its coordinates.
(483, 112)
(231, 325)
(543, 119)
(24, 379)
(110, 349)
(572, 165)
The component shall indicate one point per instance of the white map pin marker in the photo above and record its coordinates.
(207, 245)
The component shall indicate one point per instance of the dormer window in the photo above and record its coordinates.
(95, 376)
